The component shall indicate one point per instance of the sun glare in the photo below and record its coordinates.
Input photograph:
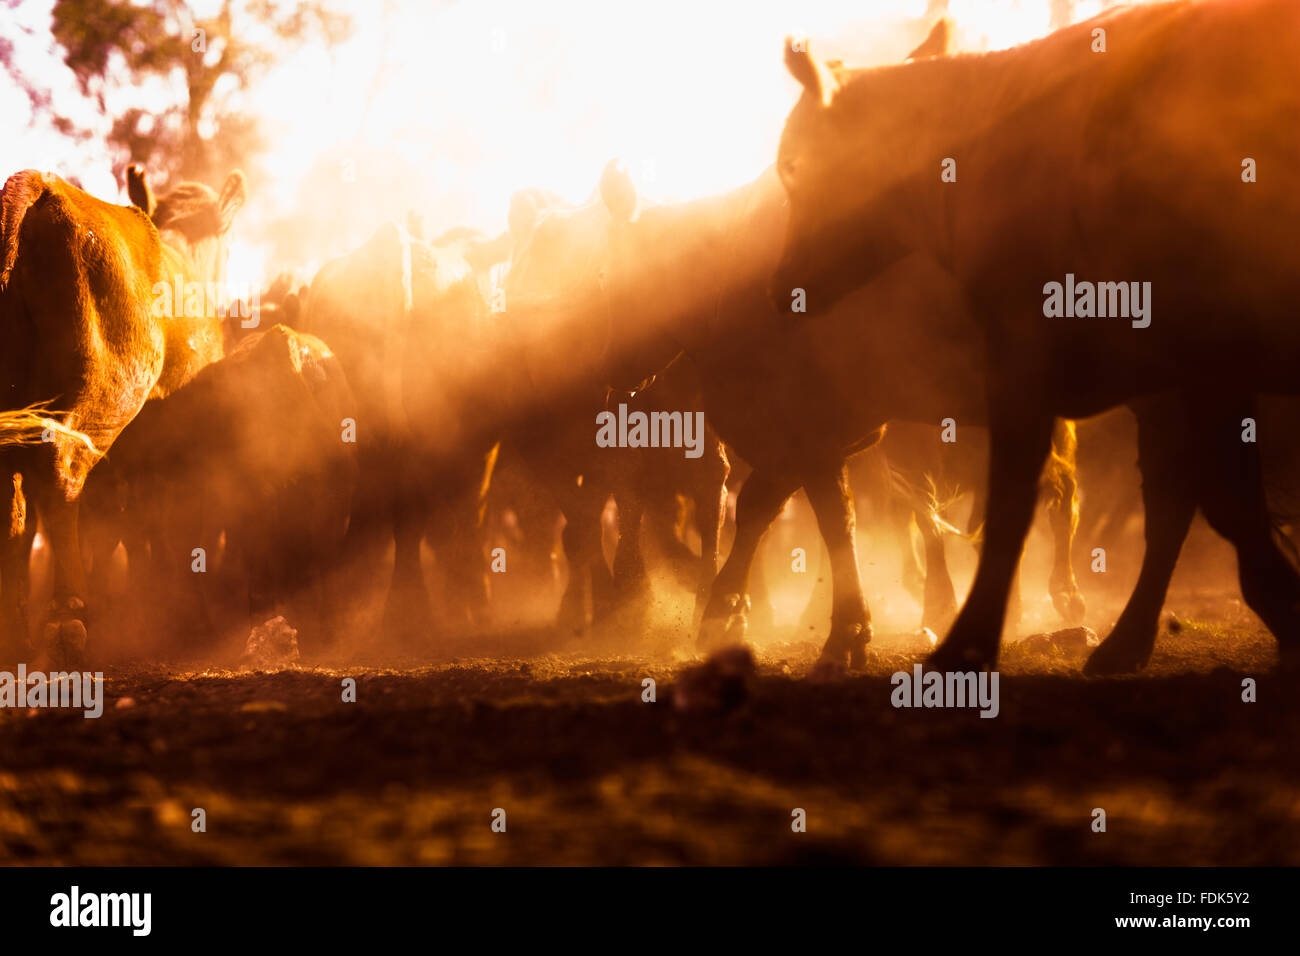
(447, 109)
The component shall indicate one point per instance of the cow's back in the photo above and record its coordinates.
(75, 310)
(359, 306)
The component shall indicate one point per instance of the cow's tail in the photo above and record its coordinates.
(20, 191)
(924, 500)
(35, 425)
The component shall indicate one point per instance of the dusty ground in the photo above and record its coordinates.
(589, 773)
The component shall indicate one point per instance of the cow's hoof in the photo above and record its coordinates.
(961, 657)
(846, 647)
(66, 643)
(1123, 652)
(1070, 605)
(940, 619)
(727, 628)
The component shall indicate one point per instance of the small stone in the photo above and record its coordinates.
(272, 644)
(1070, 641)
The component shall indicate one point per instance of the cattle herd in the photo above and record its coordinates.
(884, 280)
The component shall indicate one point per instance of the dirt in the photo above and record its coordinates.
(587, 772)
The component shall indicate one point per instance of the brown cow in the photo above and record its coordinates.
(86, 328)
(1062, 155)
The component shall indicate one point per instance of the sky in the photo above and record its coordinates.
(448, 108)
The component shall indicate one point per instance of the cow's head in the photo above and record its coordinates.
(555, 309)
(192, 218)
(638, 278)
(846, 161)
(596, 275)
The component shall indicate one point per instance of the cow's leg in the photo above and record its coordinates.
(974, 528)
(912, 572)
(1232, 498)
(1019, 442)
(17, 531)
(370, 522)
(64, 632)
(666, 519)
(759, 613)
(457, 532)
(940, 604)
(583, 507)
(757, 504)
(1061, 485)
(263, 578)
(408, 613)
(832, 502)
(1166, 457)
(710, 494)
(631, 581)
(821, 599)
(182, 577)
(580, 538)
(101, 527)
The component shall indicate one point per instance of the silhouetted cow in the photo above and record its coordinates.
(929, 475)
(253, 447)
(404, 318)
(793, 398)
(559, 247)
(1062, 155)
(87, 327)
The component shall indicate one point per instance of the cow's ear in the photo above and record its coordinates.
(138, 191)
(816, 80)
(937, 43)
(617, 191)
(233, 193)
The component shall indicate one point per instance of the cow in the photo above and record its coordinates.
(691, 277)
(558, 246)
(404, 317)
(253, 449)
(928, 475)
(1062, 154)
(798, 398)
(279, 304)
(106, 518)
(87, 327)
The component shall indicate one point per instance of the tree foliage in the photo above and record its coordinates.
(202, 69)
